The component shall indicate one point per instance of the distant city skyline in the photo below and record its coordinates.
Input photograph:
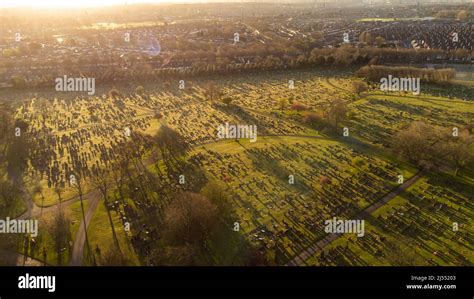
(95, 3)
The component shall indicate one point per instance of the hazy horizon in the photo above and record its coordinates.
(86, 3)
(95, 3)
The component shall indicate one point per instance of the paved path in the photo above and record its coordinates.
(301, 258)
(35, 210)
(80, 239)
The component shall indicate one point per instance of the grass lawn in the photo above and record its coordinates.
(415, 227)
(100, 234)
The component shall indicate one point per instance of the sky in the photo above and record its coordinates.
(77, 3)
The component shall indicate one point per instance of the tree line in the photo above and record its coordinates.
(241, 60)
(374, 73)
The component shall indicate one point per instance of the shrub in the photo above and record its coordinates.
(313, 118)
(359, 87)
(114, 93)
(324, 180)
(359, 162)
(140, 90)
(298, 106)
(227, 100)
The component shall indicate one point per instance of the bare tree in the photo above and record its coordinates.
(61, 234)
(39, 189)
(359, 87)
(101, 182)
(458, 151)
(190, 219)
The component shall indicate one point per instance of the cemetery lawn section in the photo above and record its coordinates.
(280, 218)
(158, 186)
(422, 215)
(101, 237)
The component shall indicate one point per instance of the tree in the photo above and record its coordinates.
(140, 90)
(365, 37)
(113, 257)
(458, 151)
(359, 87)
(411, 142)
(17, 152)
(359, 162)
(61, 234)
(337, 111)
(282, 104)
(170, 142)
(375, 72)
(345, 55)
(324, 180)
(39, 189)
(114, 93)
(8, 198)
(78, 185)
(298, 106)
(101, 182)
(216, 193)
(42, 106)
(6, 128)
(227, 100)
(212, 92)
(312, 118)
(420, 144)
(190, 219)
(379, 41)
(58, 190)
(462, 15)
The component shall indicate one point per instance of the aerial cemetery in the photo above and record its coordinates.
(236, 142)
